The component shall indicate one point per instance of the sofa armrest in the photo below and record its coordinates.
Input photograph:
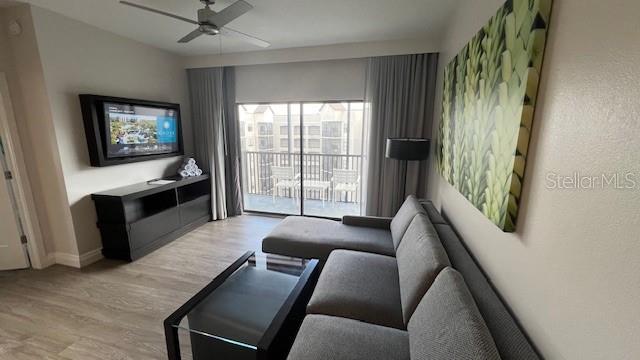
(368, 221)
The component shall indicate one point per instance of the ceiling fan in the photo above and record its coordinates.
(211, 22)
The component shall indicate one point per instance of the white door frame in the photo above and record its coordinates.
(24, 196)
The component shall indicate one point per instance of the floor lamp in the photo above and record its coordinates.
(407, 149)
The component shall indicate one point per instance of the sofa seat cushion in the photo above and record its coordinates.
(326, 337)
(313, 238)
(447, 324)
(359, 286)
(420, 257)
(409, 209)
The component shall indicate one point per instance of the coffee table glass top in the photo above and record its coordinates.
(240, 309)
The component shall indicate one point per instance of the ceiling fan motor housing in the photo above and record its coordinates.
(204, 15)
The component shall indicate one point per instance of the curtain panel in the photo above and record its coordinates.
(216, 136)
(399, 101)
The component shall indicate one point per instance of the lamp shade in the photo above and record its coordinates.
(407, 149)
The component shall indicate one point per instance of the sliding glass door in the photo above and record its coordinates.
(302, 158)
(270, 159)
(331, 154)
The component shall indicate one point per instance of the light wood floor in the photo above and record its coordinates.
(111, 309)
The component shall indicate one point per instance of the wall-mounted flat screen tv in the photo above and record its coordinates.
(140, 130)
(126, 130)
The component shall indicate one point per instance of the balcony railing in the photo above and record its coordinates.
(257, 176)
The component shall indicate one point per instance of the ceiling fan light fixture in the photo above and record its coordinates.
(209, 29)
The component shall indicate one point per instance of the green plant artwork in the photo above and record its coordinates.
(489, 96)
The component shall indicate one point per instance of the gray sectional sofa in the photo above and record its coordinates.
(396, 288)
(306, 237)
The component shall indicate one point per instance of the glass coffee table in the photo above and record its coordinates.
(252, 310)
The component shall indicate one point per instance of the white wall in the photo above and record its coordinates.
(21, 62)
(301, 81)
(314, 73)
(316, 53)
(78, 58)
(571, 271)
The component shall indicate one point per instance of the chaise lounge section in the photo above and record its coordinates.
(305, 237)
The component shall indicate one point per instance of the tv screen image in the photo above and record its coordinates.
(140, 130)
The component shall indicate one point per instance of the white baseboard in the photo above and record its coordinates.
(90, 257)
(76, 261)
(46, 261)
(67, 259)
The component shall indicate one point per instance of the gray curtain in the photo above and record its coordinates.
(232, 144)
(213, 115)
(399, 103)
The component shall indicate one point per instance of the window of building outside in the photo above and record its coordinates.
(265, 129)
(265, 143)
(332, 146)
(314, 130)
(332, 129)
(332, 138)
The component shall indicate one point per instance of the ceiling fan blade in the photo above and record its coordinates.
(230, 13)
(158, 12)
(190, 36)
(245, 37)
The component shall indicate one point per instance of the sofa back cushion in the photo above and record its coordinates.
(434, 214)
(409, 209)
(447, 324)
(420, 258)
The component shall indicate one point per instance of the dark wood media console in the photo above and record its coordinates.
(137, 219)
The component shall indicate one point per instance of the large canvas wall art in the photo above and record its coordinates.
(489, 96)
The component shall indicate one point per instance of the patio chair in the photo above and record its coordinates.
(345, 181)
(283, 177)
